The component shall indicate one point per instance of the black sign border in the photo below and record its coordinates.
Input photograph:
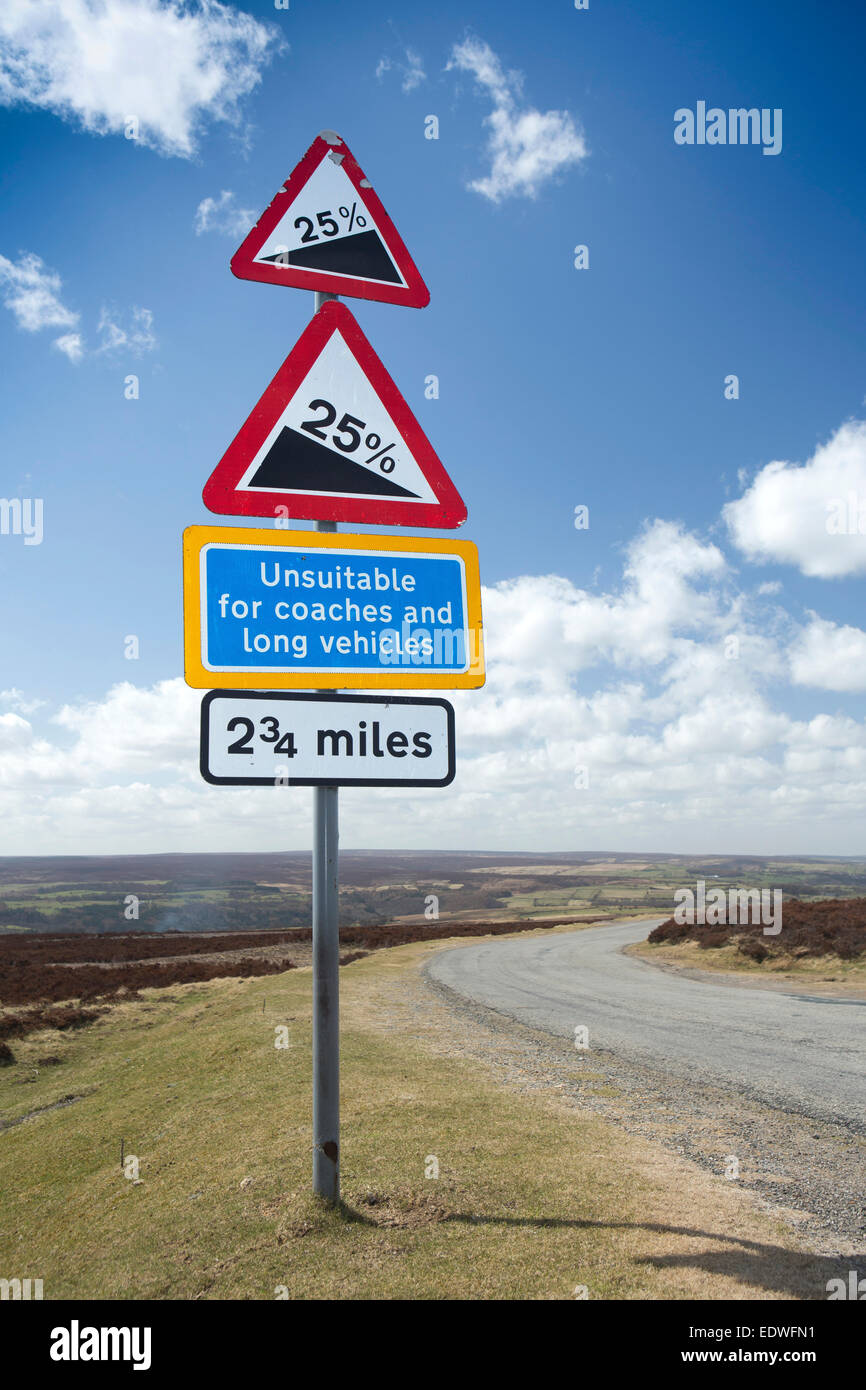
(324, 697)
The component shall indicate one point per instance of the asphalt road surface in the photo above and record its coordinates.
(793, 1051)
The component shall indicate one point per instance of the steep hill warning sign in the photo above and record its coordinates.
(332, 439)
(327, 230)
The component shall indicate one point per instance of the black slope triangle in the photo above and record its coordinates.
(295, 463)
(361, 254)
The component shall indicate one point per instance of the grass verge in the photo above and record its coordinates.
(529, 1202)
(827, 974)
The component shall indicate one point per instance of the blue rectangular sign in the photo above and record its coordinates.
(330, 607)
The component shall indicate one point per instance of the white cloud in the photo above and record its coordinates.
(526, 146)
(14, 731)
(137, 337)
(71, 345)
(412, 70)
(829, 656)
(223, 215)
(811, 515)
(32, 291)
(172, 66)
(132, 729)
(561, 630)
(15, 699)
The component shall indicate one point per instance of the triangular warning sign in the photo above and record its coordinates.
(327, 230)
(332, 439)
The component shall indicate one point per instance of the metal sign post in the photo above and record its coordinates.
(326, 971)
(326, 995)
(270, 612)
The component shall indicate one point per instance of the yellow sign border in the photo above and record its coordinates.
(397, 678)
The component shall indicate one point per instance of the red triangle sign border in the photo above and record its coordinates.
(413, 294)
(222, 496)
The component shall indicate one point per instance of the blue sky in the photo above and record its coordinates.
(558, 387)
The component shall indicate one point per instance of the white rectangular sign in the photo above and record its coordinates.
(252, 738)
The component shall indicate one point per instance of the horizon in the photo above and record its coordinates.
(420, 853)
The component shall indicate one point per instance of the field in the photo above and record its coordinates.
(69, 949)
(79, 934)
(180, 1041)
(54, 979)
(255, 892)
(455, 1186)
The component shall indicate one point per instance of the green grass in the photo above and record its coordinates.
(204, 1100)
(530, 1201)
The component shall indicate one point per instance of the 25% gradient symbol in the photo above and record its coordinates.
(327, 224)
(347, 435)
(344, 213)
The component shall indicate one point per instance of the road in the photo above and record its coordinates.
(794, 1052)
